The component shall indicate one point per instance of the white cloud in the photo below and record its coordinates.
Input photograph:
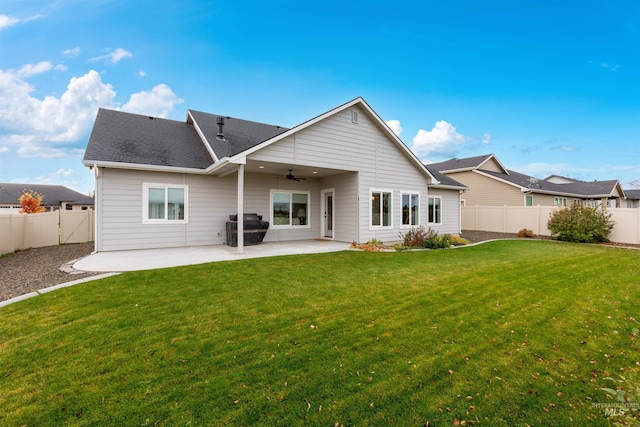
(4, 150)
(157, 102)
(142, 73)
(394, 125)
(486, 138)
(113, 57)
(71, 53)
(443, 139)
(52, 127)
(7, 21)
(568, 148)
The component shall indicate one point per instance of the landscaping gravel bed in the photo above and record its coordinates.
(32, 269)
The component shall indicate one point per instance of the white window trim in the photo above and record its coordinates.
(145, 203)
(441, 210)
(291, 226)
(560, 201)
(380, 227)
(410, 193)
(532, 200)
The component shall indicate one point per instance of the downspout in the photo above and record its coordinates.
(96, 174)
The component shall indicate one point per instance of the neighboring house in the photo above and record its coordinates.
(343, 175)
(633, 199)
(491, 184)
(54, 197)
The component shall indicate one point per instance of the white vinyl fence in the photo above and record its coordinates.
(511, 219)
(24, 231)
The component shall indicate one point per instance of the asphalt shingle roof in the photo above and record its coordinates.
(239, 135)
(133, 138)
(52, 195)
(454, 164)
(444, 179)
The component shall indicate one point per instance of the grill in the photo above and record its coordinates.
(254, 229)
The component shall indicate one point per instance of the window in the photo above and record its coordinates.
(164, 203)
(381, 208)
(559, 201)
(290, 209)
(434, 213)
(528, 200)
(410, 209)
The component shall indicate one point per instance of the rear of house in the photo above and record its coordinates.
(342, 175)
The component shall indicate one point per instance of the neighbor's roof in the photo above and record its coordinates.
(575, 187)
(567, 186)
(445, 181)
(632, 194)
(467, 163)
(52, 195)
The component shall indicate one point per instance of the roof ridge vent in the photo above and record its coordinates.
(220, 123)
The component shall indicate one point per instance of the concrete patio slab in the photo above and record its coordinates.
(148, 259)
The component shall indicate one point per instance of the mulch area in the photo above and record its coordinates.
(32, 269)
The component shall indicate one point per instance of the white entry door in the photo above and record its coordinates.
(328, 213)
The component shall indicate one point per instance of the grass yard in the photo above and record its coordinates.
(507, 333)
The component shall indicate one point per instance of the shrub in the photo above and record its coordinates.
(525, 233)
(582, 224)
(435, 241)
(459, 240)
(415, 237)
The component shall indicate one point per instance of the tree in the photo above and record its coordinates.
(31, 202)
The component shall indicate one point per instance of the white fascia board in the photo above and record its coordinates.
(141, 167)
(457, 170)
(448, 187)
(202, 137)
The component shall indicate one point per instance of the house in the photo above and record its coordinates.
(633, 199)
(54, 197)
(491, 184)
(343, 175)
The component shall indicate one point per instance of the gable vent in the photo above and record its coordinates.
(354, 116)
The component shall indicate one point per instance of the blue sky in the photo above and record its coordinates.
(550, 87)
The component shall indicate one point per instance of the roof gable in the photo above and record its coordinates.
(369, 111)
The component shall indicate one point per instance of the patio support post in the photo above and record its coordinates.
(241, 208)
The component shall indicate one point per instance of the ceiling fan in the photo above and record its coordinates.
(290, 177)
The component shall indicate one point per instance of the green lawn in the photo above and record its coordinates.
(505, 333)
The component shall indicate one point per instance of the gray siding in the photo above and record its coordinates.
(450, 211)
